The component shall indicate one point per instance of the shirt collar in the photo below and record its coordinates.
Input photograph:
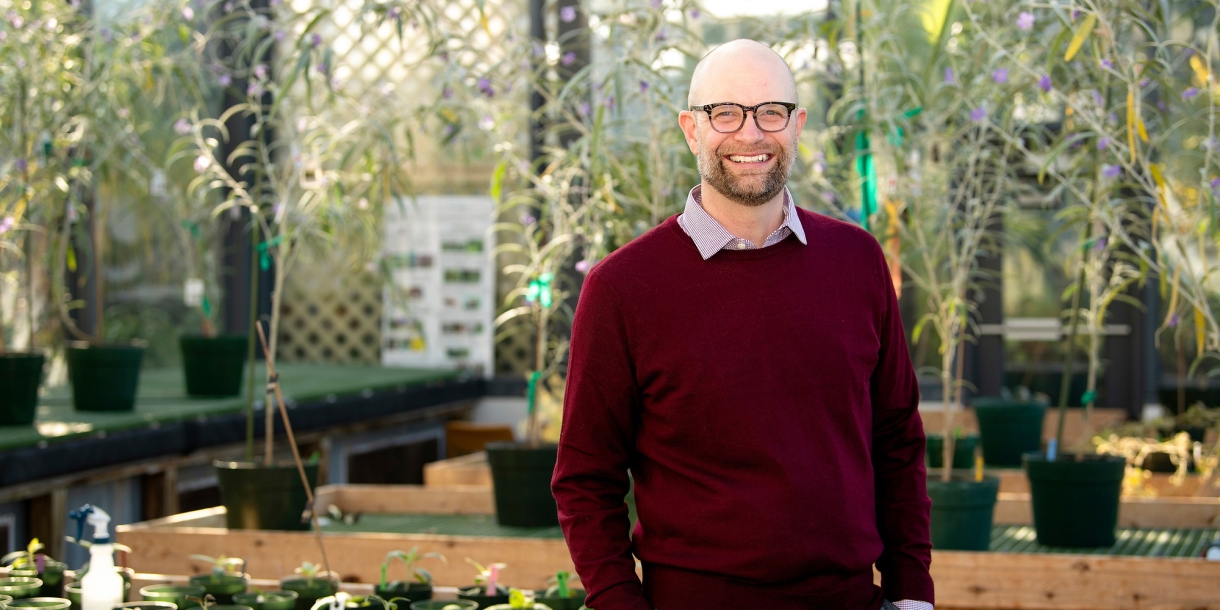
(711, 237)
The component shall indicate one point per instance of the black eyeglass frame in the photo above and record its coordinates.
(745, 110)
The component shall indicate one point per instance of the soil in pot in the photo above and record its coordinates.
(20, 587)
(962, 511)
(479, 594)
(1075, 502)
(963, 451)
(414, 591)
(258, 497)
(309, 590)
(272, 600)
(222, 587)
(562, 603)
(20, 376)
(104, 377)
(213, 366)
(1008, 429)
(42, 603)
(174, 594)
(445, 604)
(521, 481)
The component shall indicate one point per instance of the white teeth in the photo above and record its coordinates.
(754, 159)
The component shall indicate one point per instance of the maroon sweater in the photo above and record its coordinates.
(765, 404)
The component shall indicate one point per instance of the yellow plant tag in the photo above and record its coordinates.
(978, 467)
(1081, 35)
(1200, 330)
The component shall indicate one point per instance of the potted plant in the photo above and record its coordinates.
(31, 562)
(226, 578)
(419, 587)
(560, 595)
(42, 603)
(520, 600)
(182, 596)
(487, 590)
(20, 587)
(312, 585)
(267, 600)
(964, 448)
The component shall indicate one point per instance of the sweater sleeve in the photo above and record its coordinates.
(595, 445)
(902, 503)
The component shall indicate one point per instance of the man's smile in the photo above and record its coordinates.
(750, 159)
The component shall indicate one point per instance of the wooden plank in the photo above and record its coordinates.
(464, 470)
(408, 499)
(1073, 427)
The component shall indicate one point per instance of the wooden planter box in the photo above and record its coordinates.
(963, 579)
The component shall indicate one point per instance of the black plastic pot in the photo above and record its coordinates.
(258, 497)
(479, 595)
(962, 512)
(104, 378)
(20, 375)
(309, 591)
(213, 366)
(562, 603)
(521, 478)
(1008, 429)
(413, 591)
(268, 600)
(963, 451)
(1075, 502)
(222, 588)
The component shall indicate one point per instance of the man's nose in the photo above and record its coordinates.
(750, 132)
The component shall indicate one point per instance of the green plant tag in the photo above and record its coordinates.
(1088, 397)
(531, 392)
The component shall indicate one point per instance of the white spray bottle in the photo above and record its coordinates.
(101, 588)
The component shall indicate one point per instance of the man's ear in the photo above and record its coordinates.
(801, 116)
(689, 124)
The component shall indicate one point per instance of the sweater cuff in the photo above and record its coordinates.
(624, 596)
(908, 580)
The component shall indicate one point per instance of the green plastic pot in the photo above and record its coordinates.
(21, 587)
(52, 577)
(962, 512)
(536, 606)
(222, 588)
(445, 604)
(213, 366)
(1008, 429)
(43, 603)
(147, 606)
(104, 378)
(562, 603)
(1075, 503)
(521, 481)
(272, 600)
(229, 607)
(5, 599)
(20, 376)
(258, 497)
(963, 451)
(174, 594)
(309, 591)
(72, 593)
(413, 591)
(478, 595)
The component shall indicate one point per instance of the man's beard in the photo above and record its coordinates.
(744, 190)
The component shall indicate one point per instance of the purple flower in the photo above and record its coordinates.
(202, 163)
(1099, 245)
(280, 35)
(644, 86)
(21, 165)
(1160, 105)
(394, 13)
(123, 113)
(224, 80)
(584, 109)
(15, 20)
(1025, 20)
(1211, 144)
(978, 114)
(611, 103)
(107, 36)
(260, 71)
(949, 75)
(1044, 83)
(662, 35)
(487, 123)
(276, 2)
(1097, 97)
(1076, 141)
(188, 13)
(694, 13)
(7, 224)
(446, 93)
(323, 68)
(1144, 82)
(567, 14)
(1000, 76)
(1075, 14)
(1111, 171)
(1215, 183)
(229, 6)
(568, 58)
(484, 86)
(254, 89)
(1173, 320)
(3, 34)
(656, 4)
(315, 40)
(1103, 143)
(527, 219)
(1190, 93)
(1107, 64)
(583, 266)
(182, 127)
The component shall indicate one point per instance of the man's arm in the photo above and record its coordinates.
(595, 446)
(900, 478)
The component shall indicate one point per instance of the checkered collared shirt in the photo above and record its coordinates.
(711, 237)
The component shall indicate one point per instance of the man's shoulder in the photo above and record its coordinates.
(836, 234)
(657, 245)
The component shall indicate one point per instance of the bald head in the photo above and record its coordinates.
(742, 68)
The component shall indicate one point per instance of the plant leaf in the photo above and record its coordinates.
(1082, 34)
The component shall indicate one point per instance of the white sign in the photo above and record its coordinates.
(440, 302)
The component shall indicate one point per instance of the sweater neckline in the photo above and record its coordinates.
(672, 225)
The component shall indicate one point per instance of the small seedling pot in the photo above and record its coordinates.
(479, 594)
(562, 603)
(222, 588)
(72, 593)
(174, 594)
(272, 600)
(309, 590)
(147, 606)
(20, 587)
(20, 375)
(43, 603)
(445, 604)
(414, 591)
(104, 378)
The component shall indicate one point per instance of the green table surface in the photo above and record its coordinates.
(1004, 538)
(162, 399)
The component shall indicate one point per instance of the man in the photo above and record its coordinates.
(745, 360)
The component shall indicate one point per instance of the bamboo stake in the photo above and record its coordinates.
(273, 386)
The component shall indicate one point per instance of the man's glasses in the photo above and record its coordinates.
(728, 117)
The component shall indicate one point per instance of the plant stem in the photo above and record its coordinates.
(1071, 342)
(252, 337)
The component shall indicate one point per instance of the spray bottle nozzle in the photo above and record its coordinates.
(93, 516)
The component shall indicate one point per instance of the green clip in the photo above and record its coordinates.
(531, 392)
